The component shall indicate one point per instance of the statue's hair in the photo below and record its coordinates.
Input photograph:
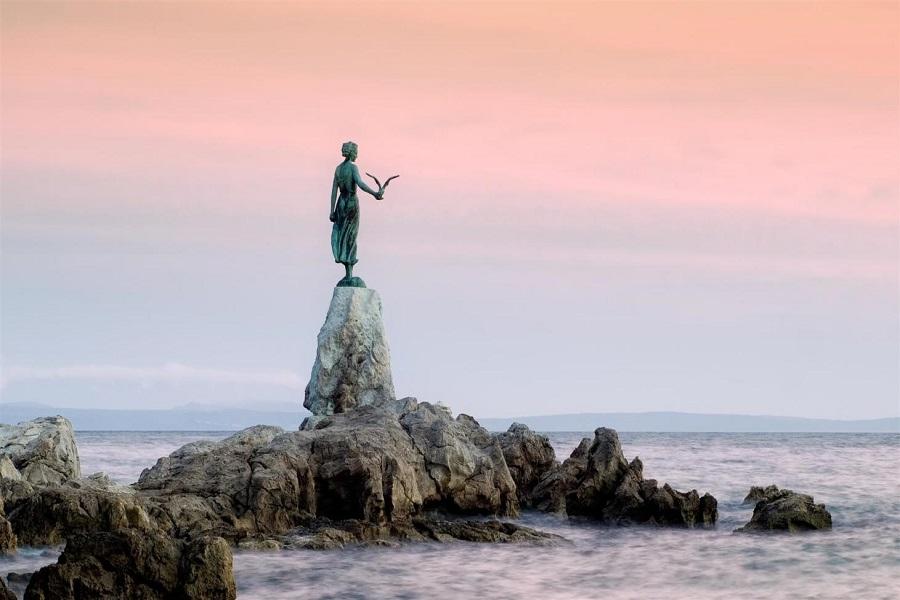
(348, 147)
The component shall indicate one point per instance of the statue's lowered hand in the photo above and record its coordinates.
(331, 217)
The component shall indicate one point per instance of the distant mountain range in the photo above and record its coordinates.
(695, 422)
(209, 418)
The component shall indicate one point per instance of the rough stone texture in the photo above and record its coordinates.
(5, 594)
(529, 457)
(758, 493)
(17, 582)
(49, 515)
(206, 569)
(7, 537)
(597, 482)
(353, 363)
(42, 450)
(786, 510)
(463, 461)
(329, 535)
(367, 465)
(7, 469)
(483, 532)
(137, 565)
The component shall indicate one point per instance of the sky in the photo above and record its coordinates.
(601, 206)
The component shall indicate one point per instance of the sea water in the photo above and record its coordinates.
(856, 475)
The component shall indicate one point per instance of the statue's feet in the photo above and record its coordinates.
(351, 282)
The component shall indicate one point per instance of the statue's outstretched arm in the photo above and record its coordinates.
(334, 193)
(362, 184)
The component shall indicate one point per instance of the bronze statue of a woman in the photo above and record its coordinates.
(345, 212)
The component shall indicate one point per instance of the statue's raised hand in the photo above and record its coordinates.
(381, 188)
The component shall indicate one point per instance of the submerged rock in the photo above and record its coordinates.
(328, 535)
(42, 451)
(529, 457)
(785, 510)
(597, 482)
(139, 565)
(353, 363)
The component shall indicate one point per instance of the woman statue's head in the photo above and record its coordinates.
(349, 150)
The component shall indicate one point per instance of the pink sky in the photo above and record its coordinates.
(724, 138)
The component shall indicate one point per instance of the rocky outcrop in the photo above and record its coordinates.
(5, 593)
(529, 457)
(49, 515)
(8, 541)
(464, 464)
(597, 482)
(353, 363)
(137, 565)
(42, 451)
(327, 535)
(758, 493)
(367, 465)
(785, 510)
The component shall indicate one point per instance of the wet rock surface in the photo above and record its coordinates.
(42, 451)
(5, 593)
(50, 515)
(785, 510)
(391, 472)
(137, 565)
(758, 493)
(597, 482)
(8, 540)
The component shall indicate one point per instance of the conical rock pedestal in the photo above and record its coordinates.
(353, 362)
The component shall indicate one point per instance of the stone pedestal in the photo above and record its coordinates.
(353, 363)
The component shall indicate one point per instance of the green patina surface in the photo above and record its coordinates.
(345, 212)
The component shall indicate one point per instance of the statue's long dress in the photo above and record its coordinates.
(346, 222)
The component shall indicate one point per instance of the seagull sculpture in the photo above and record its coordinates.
(381, 188)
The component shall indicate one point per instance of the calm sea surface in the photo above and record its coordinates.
(856, 475)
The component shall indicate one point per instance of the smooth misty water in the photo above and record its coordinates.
(856, 475)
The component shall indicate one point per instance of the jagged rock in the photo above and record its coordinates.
(463, 461)
(549, 495)
(597, 482)
(7, 537)
(529, 457)
(5, 594)
(209, 468)
(137, 565)
(758, 493)
(353, 363)
(7, 469)
(51, 514)
(364, 465)
(12, 491)
(786, 510)
(17, 582)
(260, 544)
(97, 481)
(42, 450)
(206, 569)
